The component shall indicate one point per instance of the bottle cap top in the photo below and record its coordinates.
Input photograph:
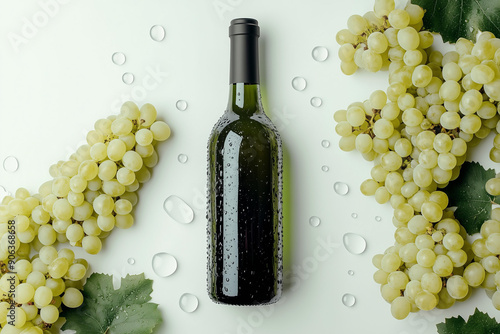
(244, 26)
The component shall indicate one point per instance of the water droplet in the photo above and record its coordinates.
(341, 188)
(157, 33)
(188, 302)
(354, 243)
(350, 272)
(320, 53)
(325, 168)
(316, 102)
(354, 215)
(182, 158)
(348, 300)
(299, 83)
(314, 221)
(118, 58)
(179, 210)
(378, 218)
(10, 164)
(131, 260)
(325, 143)
(181, 105)
(164, 264)
(128, 78)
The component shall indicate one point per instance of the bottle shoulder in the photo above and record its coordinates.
(244, 125)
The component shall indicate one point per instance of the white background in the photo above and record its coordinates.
(58, 79)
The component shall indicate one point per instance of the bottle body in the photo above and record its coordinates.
(245, 204)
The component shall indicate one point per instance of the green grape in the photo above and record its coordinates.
(431, 282)
(397, 280)
(88, 170)
(369, 187)
(75, 199)
(161, 131)
(74, 232)
(495, 299)
(72, 298)
(130, 110)
(31, 312)
(383, 7)
(428, 158)
(388, 293)
(483, 50)
(94, 137)
(103, 204)
(443, 266)
(129, 140)
(400, 308)
(346, 52)
(419, 225)
(380, 277)
(62, 209)
(458, 257)
(447, 161)
(364, 143)
(474, 274)
(105, 223)
(121, 126)
(56, 285)
(144, 137)
(60, 226)
(24, 293)
(21, 223)
(409, 189)
(492, 186)
(47, 235)
(408, 38)
(372, 61)
(482, 74)
(422, 176)
(40, 216)
(144, 151)
(61, 186)
(94, 185)
(493, 243)
(452, 72)
(391, 161)
(399, 18)
(470, 124)
(77, 184)
(445, 300)
(426, 300)
(76, 271)
(413, 58)
(457, 287)
(82, 212)
(43, 296)
(383, 128)
(90, 226)
(126, 177)
(116, 149)
(49, 314)
(471, 102)
(133, 161)
(377, 42)
(393, 182)
(147, 115)
(377, 260)
(449, 90)
(91, 244)
(113, 188)
(490, 226)
(403, 236)
(348, 68)
(390, 262)
(425, 140)
(124, 221)
(107, 170)
(479, 248)
(357, 24)
(426, 257)
(495, 154)
(422, 76)
(48, 254)
(67, 253)
(103, 126)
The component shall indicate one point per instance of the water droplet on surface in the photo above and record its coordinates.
(354, 243)
(131, 260)
(325, 143)
(188, 302)
(164, 264)
(378, 218)
(118, 58)
(179, 210)
(348, 300)
(316, 102)
(350, 272)
(325, 168)
(181, 105)
(182, 158)
(10, 164)
(320, 53)
(128, 78)
(341, 188)
(299, 83)
(314, 221)
(157, 33)
(354, 215)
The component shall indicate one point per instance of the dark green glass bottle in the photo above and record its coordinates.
(244, 186)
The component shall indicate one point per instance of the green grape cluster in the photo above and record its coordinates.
(95, 190)
(384, 37)
(90, 194)
(417, 133)
(33, 289)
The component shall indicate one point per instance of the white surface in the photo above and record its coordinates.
(61, 79)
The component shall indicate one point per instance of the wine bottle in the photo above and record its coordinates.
(245, 261)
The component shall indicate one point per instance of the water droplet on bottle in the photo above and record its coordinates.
(325, 143)
(314, 221)
(128, 78)
(378, 218)
(348, 300)
(157, 33)
(188, 302)
(354, 243)
(316, 102)
(320, 53)
(299, 83)
(10, 164)
(182, 158)
(341, 188)
(354, 215)
(118, 58)
(325, 168)
(350, 272)
(179, 210)
(181, 105)
(131, 260)
(164, 264)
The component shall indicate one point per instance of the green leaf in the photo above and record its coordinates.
(478, 323)
(467, 193)
(110, 311)
(461, 18)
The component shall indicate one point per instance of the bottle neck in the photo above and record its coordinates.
(244, 99)
(244, 59)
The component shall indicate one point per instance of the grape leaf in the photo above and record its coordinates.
(461, 18)
(467, 193)
(110, 311)
(478, 323)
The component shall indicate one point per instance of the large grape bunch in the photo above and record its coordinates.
(417, 133)
(89, 195)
